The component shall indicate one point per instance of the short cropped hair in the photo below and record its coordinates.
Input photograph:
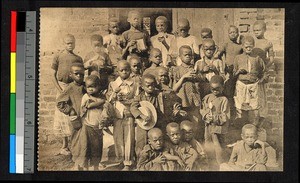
(261, 22)
(209, 40)
(233, 26)
(206, 30)
(93, 78)
(248, 39)
(76, 64)
(148, 76)
(249, 127)
(152, 131)
(97, 37)
(123, 62)
(133, 12)
(69, 36)
(217, 79)
(163, 18)
(186, 123)
(184, 47)
(172, 125)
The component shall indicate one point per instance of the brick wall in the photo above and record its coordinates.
(274, 18)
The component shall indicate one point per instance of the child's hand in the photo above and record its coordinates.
(72, 112)
(242, 71)
(180, 162)
(132, 43)
(209, 118)
(117, 90)
(182, 113)
(205, 68)
(160, 159)
(261, 143)
(203, 154)
(189, 167)
(161, 39)
(213, 68)
(145, 118)
(190, 74)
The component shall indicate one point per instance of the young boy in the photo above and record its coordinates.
(208, 66)
(121, 93)
(264, 49)
(249, 72)
(156, 59)
(95, 113)
(206, 33)
(136, 69)
(230, 50)
(97, 61)
(182, 37)
(136, 40)
(185, 79)
(68, 102)
(172, 108)
(162, 40)
(215, 112)
(186, 155)
(151, 158)
(248, 154)
(60, 75)
(113, 42)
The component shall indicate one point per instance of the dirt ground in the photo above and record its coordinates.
(50, 160)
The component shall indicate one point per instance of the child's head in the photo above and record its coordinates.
(216, 85)
(97, 42)
(173, 132)
(92, 84)
(248, 44)
(163, 75)
(148, 83)
(136, 64)
(186, 128)
(123, 68)
(233, 33)
(113, 25)
(209, 47)
(155, 138)
(134, 18)
(155, 56)
(186, 54)
(161, 24)
(206, 33)
(259, 29)
(77, 73)
(183, 27)
(69, 42)
(249, 134)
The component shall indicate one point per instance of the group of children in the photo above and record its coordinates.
(197, 90)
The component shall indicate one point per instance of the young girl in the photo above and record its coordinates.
(95, 114)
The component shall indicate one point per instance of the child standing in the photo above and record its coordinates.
(249, 72)
(136, 69)
(113, 42)
(182, 37)
(136, 40)
(162, 40)
(61, 78)
(155, 59)
(186, 156)
(68, 102)
(216, 113)
(185, 80)
(97, 61)
(248, 154)
(230, 50)
(208, 66)
(264, 49)
(121, 93)
(95, 113)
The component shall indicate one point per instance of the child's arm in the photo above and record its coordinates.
(271, 55)
(63, 103)
(261, 157)
(224, 115)
(205, 111)
(125, 51)
(220, 52)
(134, 109)
(55, 81)
(96, 104)
(111, 94)
(191, 160)
(178, 85)
(236, 70)
(144, 163)
(170, 157)
(234, 155)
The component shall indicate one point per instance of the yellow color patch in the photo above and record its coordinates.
(13, 72)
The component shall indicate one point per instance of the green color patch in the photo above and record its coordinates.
(12, 118)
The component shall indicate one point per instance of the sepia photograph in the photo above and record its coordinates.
(161, 89)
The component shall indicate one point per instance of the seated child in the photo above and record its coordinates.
(151, 158)
(215, 113)
(135, 39)
(185, 81)
(186, 156)
(182, 37)
(97, 62)
(155, 59)
(249, 72)
(248, 154)
(162, 39)
(206, 33)
(68, 102)
(95, 113)
(113, 42)
(121, 93)
(208, 66)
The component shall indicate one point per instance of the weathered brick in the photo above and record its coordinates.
(279, 16)
(244, 27)
(46, 92)
(43, 105)
(48, 118)
(277, 86)
(43, 112)
(272, 98)
(279, 79)
(269, 92)
(281, 99)
(279, 53)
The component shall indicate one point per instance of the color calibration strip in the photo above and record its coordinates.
(22, 92)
